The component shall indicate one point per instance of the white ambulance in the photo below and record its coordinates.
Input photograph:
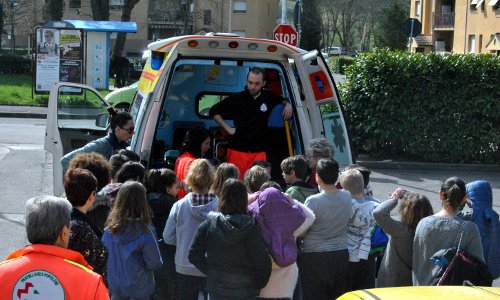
(183, 78)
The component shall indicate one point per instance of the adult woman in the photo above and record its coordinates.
(318, 148)
(122, 129)
(395, 269)
(195, 145)
(80, 187)
(441, 231)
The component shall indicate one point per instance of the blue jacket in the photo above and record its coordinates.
(106, 146)
(487, 221)
(132, 257)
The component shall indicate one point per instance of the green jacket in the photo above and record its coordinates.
(300, 191)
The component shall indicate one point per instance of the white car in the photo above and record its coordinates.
(333, 51)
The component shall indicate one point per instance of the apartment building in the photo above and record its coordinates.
(457, 26)
(159, 19)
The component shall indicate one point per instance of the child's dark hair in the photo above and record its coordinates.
(295, 163)
(130, 170)
(454, 191)
(233, 197)
(271, 183)
(363, 170)
(158, 180)
(414, 207)
(79, 184)
(118, 119)
(193, 139)
(328, 170)
(129, 206)
(119, 159)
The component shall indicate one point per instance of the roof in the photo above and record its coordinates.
(424, 40)
(101, 26)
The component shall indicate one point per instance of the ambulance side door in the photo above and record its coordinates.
(320, 92)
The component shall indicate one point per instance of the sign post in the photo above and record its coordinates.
(287, 34)
(412, 27)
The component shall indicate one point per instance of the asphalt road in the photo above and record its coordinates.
(26, 171)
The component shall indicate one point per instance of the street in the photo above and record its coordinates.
(26, 171)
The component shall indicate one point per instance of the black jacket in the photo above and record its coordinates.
(161, 204)
(237, 263)
(249, 116)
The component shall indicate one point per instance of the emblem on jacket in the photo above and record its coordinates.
(38, 284)
(263, 107)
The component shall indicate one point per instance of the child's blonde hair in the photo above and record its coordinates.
(200, 174)
(352, 180)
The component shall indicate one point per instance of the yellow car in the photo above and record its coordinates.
(425, 292)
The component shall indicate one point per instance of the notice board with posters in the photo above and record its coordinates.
(59, 56)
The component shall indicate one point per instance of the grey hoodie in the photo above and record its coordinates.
(181, 227)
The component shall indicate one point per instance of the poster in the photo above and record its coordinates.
(96, 60)
(59, 57)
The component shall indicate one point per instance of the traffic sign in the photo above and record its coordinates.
(412, 27)
(286, 33)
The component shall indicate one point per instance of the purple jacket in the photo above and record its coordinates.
(277, 220)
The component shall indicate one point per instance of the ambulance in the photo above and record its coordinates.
(183, 78)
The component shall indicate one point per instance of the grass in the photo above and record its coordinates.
(15, 89)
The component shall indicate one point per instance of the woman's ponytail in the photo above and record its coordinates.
(454, 191)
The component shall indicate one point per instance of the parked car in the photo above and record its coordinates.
(122, 97)
(425, 293)
(333, 51)
(183, 78)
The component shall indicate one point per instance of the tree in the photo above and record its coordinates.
(389, 28)
(53, 10)
(100, 10)
(121, 37)
(1, 22)
(311, 25)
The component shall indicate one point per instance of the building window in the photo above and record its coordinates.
(207, 17)
(116, 3)
(472, 43)
(239, 6)
(417, 8)
(75, 3)
(473, 5)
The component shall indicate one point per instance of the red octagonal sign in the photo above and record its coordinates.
(286, 33)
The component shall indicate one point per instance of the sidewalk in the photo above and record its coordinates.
(41, 113)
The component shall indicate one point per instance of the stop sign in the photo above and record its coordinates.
(286, 33)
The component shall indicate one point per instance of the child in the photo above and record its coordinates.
(255, 177)
(294, 170)
(263, 163)
(162, 188)
(486, 219)
(280, 221)
(361, 222)
(131, 241)
(224, 171)
(324, 260)
(185, 217)
(366, 180)
(229, 249)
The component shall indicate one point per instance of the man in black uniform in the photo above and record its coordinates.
(249, 110)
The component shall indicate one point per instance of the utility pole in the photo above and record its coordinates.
(12, 35)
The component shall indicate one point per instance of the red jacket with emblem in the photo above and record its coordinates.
(50, 272)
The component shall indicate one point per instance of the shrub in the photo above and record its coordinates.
(14, 64)
(425, 107)
(338, 64)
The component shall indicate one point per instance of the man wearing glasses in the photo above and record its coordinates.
(122, 129)
(48, 45)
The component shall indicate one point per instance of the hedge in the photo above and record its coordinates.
(15, 64)
(338, 64)
(425, 107)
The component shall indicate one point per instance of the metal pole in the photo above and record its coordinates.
(411, 34)
(229, 25)
(284, 12)
(299, 27)
(12, 38)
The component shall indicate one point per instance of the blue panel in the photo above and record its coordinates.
(104, 26)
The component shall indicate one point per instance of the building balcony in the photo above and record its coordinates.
(444, 21)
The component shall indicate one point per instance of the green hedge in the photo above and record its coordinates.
(425, 107)
(15, 64)
(338, 64)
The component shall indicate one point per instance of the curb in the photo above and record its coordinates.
(427, 166)
(26, 115)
